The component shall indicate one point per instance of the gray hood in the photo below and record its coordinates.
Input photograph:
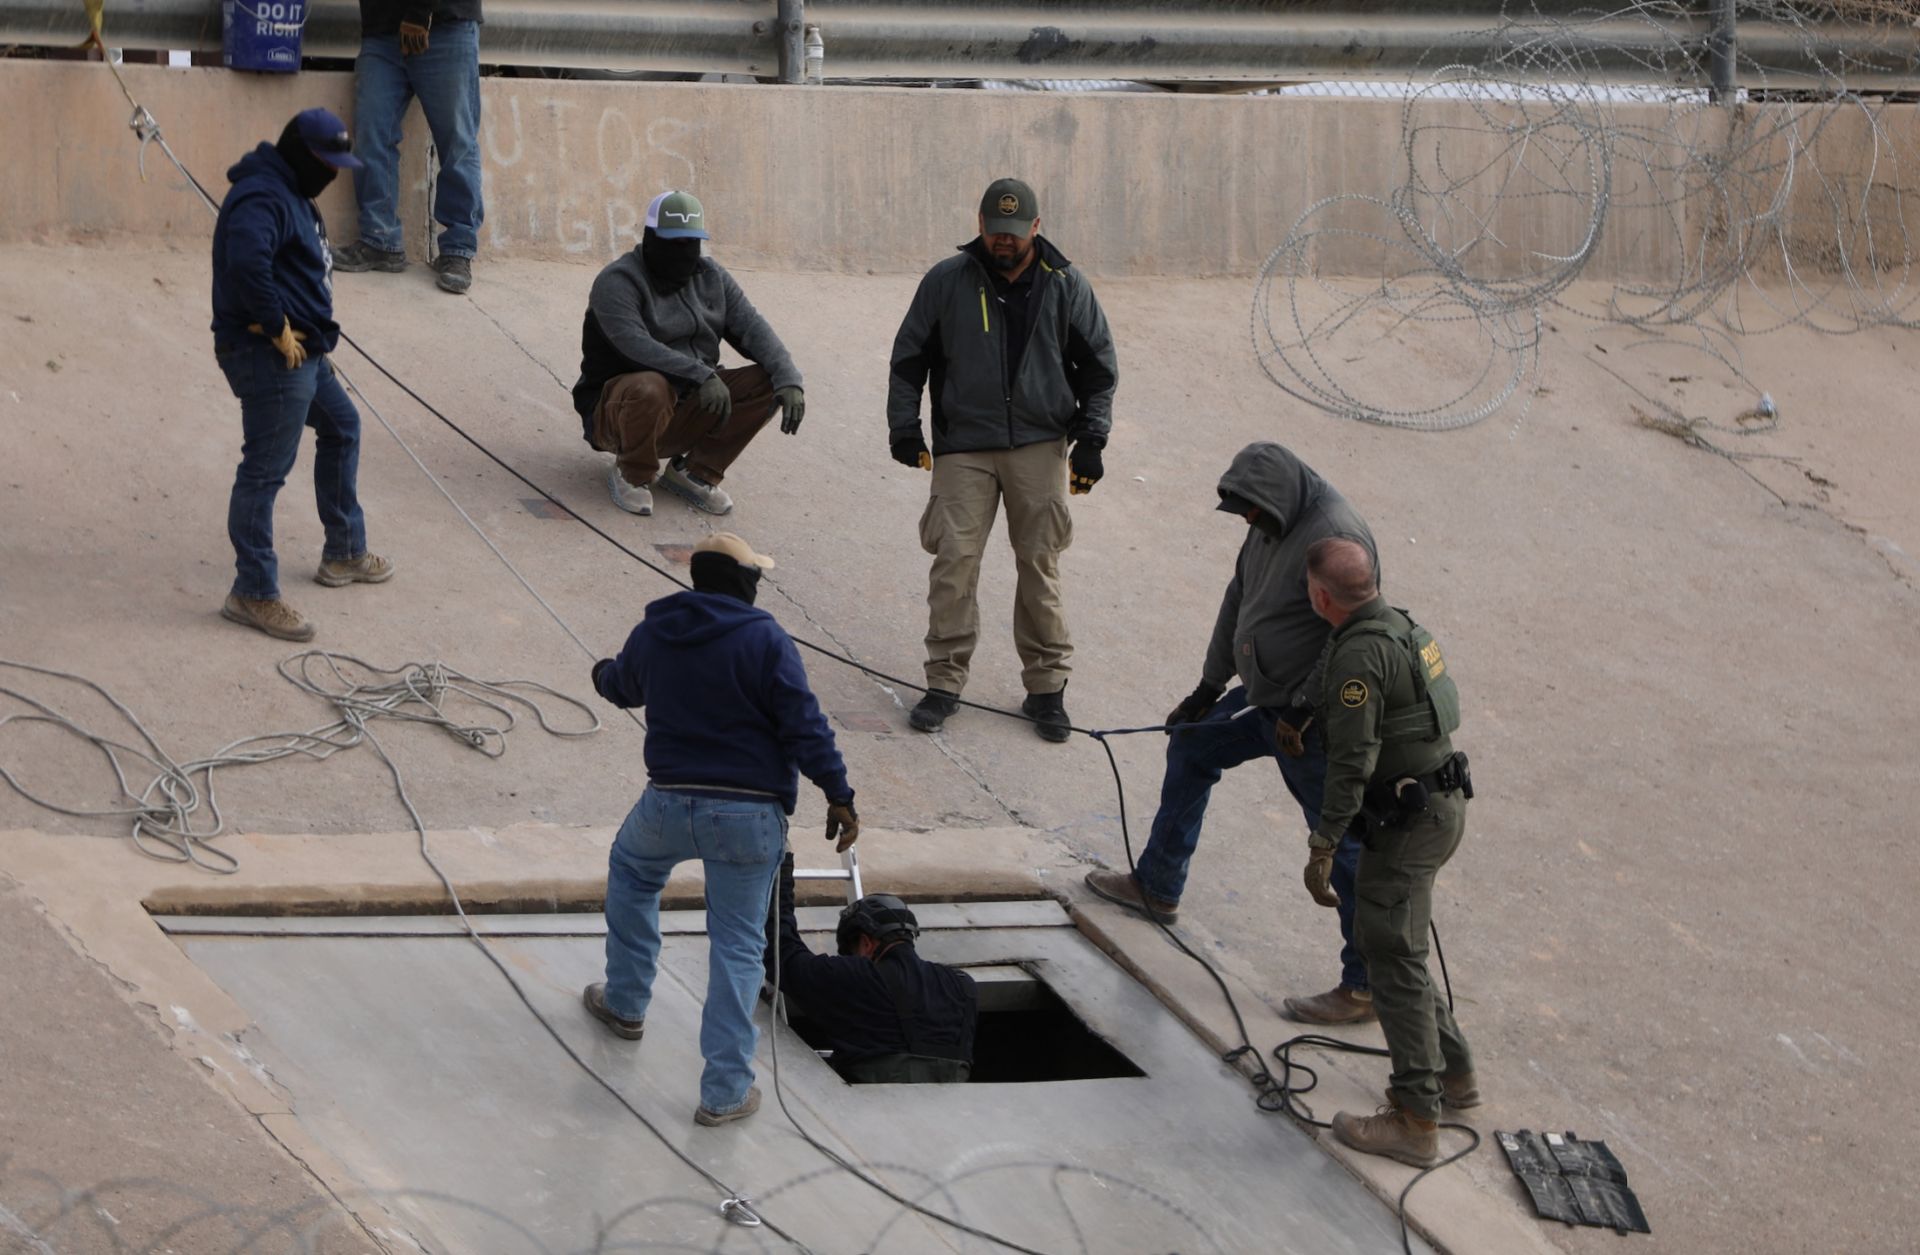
(1267, 634)
(1269, 476)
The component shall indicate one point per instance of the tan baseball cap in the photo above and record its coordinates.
(739, 550)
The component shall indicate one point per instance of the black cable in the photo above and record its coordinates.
(1269, 1094)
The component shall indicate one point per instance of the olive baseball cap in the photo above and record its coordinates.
(739, 550)
(1009, 207)
(677, 216)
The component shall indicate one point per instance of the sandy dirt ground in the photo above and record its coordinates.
(1681, 921)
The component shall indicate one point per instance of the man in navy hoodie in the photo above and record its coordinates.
(272, 329)
(731, 722)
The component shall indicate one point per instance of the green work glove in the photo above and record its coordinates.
(843, 825)
(714, 399)
(1319, 876)
(793, 407)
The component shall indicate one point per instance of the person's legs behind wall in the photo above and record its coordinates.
(740, 843)
(274, 403)
(446, 77)
(381, 92)
(1039, 526)
(961, 504)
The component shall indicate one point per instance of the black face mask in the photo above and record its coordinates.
(310, 174)
(670, 263)
(717, 573)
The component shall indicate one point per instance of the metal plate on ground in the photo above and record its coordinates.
(413, 1063)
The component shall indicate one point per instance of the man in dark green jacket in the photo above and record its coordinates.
(1388, 706)
(1009, 342)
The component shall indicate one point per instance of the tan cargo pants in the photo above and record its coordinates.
(967, 491)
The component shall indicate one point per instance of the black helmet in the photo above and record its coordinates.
(880, 916)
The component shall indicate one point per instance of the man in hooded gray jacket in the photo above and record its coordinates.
(1269, 638)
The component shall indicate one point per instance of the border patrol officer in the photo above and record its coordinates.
(1388, 706)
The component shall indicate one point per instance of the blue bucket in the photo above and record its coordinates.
(262, 35)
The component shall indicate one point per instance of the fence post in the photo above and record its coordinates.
(792, 15)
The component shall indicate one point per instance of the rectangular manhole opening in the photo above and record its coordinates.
(1026, 1033)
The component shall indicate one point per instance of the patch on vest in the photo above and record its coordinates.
(1353, 693)
(1430, 658)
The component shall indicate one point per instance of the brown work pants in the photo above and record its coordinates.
(967, 491)
(638, 420)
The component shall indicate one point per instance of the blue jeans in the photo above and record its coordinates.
(446, 78)
(739, 842)
(1197, 755)
(275, 405)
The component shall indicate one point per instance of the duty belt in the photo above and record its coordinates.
(1406, 796)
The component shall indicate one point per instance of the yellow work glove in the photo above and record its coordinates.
(413, 39)
(843, 825)
(288, 342)
(1319, 876)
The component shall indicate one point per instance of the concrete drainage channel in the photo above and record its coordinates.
(1095, 1119)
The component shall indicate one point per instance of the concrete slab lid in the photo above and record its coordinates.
(409, 1060)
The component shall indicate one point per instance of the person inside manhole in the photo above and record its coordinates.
(886, 1014)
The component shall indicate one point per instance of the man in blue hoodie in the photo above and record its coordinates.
(272, 329)
(731, 722)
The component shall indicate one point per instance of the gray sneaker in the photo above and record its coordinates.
(681, 482)
(455, 273)
(713, 1119)
(629, 498)
(361, 256)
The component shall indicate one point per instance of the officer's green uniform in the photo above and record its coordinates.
(1387, 707)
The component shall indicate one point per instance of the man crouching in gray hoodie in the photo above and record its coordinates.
(1269, 638)
(652, 391)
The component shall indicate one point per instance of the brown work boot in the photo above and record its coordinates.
(368, 568)
(268, 614)
(1393, 1132)
(1122, 889)
(714, 1119)
(1339, 1005)
(1459, 1090)
(594, 998)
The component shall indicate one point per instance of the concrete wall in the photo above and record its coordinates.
(797, 178)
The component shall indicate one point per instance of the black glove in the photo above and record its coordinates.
(912, 451)
(1195, 705)
(598, 667)
(714, 399)
(1086, 467)
(843, 825)
(793, 408)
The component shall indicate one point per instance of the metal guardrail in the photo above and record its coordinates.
(1161, 40)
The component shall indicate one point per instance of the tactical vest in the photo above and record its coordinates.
(1435, 709)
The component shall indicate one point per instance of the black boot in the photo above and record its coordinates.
(1049, 714)
(933, 710)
